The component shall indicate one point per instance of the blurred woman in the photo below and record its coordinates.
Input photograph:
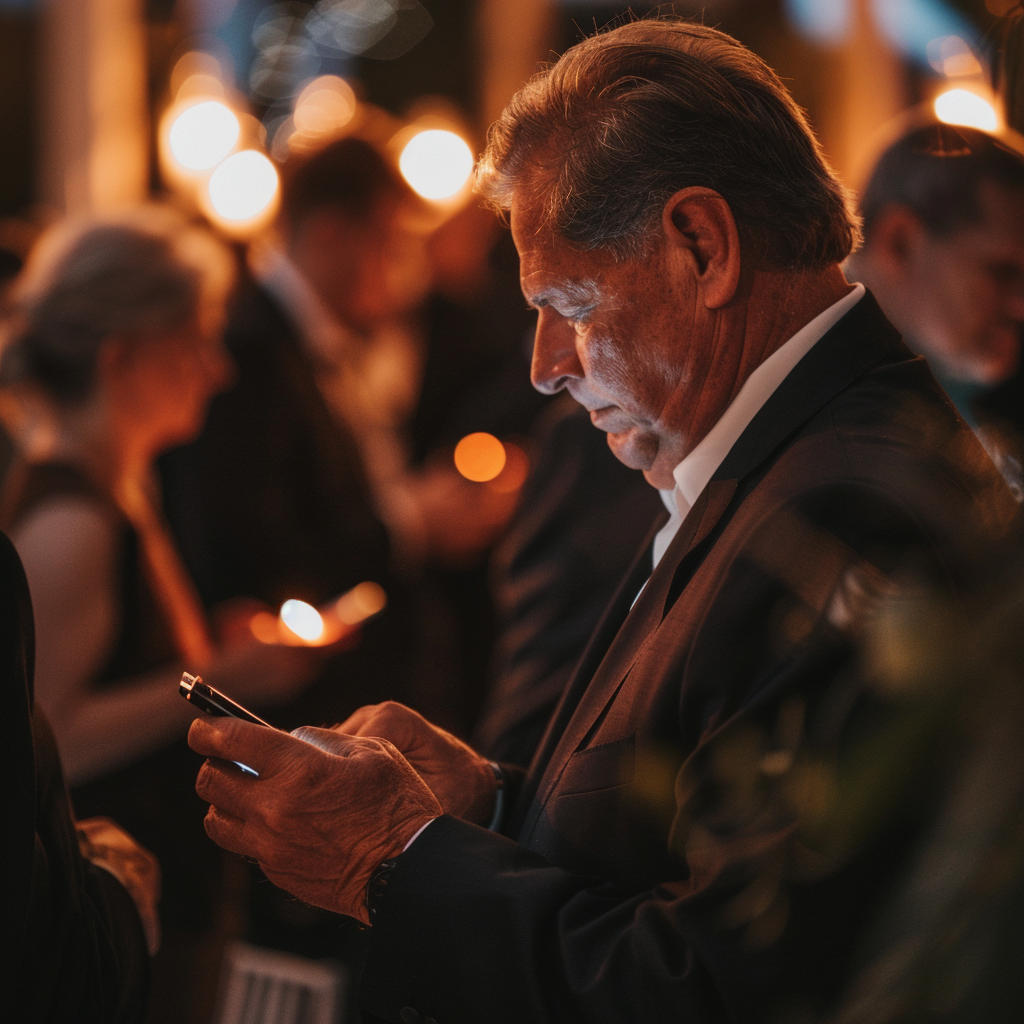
(112, 357)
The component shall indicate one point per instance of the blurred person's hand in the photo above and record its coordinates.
(104, 843)
(460, 519)
(325, 812)
(265, 673)
(232, 621)
(457, 775)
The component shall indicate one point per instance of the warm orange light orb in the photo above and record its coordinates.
(514, 473)
(480, 457)
(303, 620)
(325, 106)
(360, 603)
(243, 187)
(963, 107)
(203, 134)
(436, 163)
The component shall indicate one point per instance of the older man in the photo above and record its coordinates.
(688, 844)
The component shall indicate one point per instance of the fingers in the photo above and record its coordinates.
(329, 740)
(229, 832)
(356, 722)
(226, 788)
(234, 740)
(391, 720)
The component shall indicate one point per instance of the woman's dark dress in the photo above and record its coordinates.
(154, 797)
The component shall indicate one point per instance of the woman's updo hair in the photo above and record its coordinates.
(137, 274)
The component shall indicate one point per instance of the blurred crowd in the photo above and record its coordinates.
(198, 433)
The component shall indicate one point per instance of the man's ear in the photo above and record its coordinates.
(700, 228)
(896, 237)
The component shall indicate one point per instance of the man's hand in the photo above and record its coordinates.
(324, 813)
(104, 843)
(457, 775)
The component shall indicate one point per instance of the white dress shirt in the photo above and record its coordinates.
(694, 472)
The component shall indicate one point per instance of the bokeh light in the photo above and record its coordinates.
(325, 106)
(514, 472)
(197, 64)
(952, 57)
(480, 457)
(360, 603)
(243, 188)
(436, 163)
(303, 620)
(203, 134)
(963, 107)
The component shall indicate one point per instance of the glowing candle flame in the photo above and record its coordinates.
(303, 620)
(436, 163)
(203, 134)
(243, 187)
(480, 457)
(963, 107)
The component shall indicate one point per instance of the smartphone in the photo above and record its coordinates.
(213, 702)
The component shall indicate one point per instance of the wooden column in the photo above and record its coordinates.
(94, 145)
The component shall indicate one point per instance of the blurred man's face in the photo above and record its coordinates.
(630, 341)
(968, 291)
(367, 271)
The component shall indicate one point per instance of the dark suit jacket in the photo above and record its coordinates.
(71, 945)
(705, 831)
(575, 532)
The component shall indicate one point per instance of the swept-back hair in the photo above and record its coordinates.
(604, 137)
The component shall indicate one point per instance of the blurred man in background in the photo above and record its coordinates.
(274, 501)
(944, 254)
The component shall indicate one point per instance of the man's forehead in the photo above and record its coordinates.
(547, 263)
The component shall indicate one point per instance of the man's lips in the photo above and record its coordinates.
(609, 418)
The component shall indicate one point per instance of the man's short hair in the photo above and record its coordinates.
(349, 175)
(937, 171)
(626, 118)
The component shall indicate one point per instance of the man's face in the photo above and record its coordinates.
(970, 292)
(631, 342)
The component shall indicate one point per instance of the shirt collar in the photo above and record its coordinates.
(694, 472)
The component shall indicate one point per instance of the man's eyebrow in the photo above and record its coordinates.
(576, 294)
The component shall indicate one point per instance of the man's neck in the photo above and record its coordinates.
(780, 303)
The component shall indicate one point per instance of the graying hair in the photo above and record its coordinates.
(139, 274)
(602, 139)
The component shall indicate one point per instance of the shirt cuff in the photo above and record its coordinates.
(417, 834)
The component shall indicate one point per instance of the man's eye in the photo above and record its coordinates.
(580, 316)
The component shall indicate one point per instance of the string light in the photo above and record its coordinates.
(436, 163)
(243, 188)
(203, 134)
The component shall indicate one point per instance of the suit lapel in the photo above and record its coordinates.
(858, 342)
(594, 685)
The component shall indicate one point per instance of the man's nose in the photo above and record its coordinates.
(555, 361)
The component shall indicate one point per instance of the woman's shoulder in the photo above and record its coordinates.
(55, 515)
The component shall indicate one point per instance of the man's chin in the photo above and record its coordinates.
(634, 449)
